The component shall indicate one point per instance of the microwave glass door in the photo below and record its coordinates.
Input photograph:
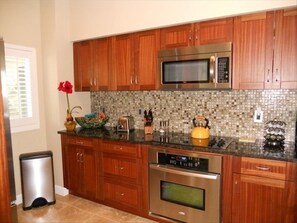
(186, 71)
(182, 194)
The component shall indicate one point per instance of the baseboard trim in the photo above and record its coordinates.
(58, 190)
(61, 190)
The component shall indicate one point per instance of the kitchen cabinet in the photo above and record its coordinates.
(263, 191)
(208, 32)
(135, 60)
(121, 173)
(265, 50)
(83, 65)
(79, 166)
(92, 65)
(102, 79)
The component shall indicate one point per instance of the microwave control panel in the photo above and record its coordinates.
(223, 70)
(181, 161)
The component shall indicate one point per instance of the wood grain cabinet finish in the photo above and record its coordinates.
(83, 65)
(121, 176)
(79, 166)
(135, 60)
(102, 79)
(262, 192)
(209, 32)
(264, 50)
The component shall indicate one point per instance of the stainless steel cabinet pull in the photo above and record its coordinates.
(268, 71)
(121, 168)
(262, 168)
(276, 75)
(136, 79)
(79, 142)
(131, 80)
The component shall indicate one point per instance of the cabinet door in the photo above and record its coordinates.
(74, 176)
(88, 172)
(177, 36)
(249, 50)
(258, 199)
(102, 76)
(83, 68)
(215, 31)
(147, 45)
(123, 61)
(287, 64)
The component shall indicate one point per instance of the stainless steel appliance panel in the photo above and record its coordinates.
(185, 194)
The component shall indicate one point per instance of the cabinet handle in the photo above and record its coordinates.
(81, 158)
(276, 75)
(95, 81)
(268, 71)
(131, 81)
(122, 194)
(79, 142)
(236, 182)
(77, 157)
(121, 168)
(136, 79)
(262, 168)
(190, 36)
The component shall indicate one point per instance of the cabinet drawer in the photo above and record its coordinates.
(127, 195)
(265, 168)
(120, 148)
(80, 141)
(119, 167)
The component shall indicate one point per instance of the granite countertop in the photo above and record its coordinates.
(184, 141)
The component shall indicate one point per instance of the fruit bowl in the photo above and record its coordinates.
(91, 123)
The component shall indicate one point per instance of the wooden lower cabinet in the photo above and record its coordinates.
(263, 199)
(79, 166)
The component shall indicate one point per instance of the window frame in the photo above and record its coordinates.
(29, 123)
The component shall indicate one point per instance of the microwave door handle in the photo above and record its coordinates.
(212, 69)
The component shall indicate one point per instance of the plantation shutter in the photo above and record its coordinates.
(19, 87)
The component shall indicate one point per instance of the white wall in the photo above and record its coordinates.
(20, 24)
(97, 18)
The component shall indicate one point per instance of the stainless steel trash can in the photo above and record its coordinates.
(37, 177)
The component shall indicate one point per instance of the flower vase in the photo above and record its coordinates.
(69, 123)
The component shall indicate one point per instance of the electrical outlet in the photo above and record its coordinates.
(258, 116)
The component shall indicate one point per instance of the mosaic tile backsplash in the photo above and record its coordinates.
(230, 113)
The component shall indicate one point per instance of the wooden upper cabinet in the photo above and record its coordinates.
(102, 74)
(176, 36)
(214, 31)
(249, 50)
(146, 44)
(123, 64)
(135, 60)
(287, 43)
(265, 51)
(83, 65)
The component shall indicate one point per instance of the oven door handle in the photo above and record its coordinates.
(184, 172)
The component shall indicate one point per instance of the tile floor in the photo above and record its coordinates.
(74, 209)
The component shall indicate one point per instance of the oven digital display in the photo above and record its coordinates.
(184, 195)
(182, 158)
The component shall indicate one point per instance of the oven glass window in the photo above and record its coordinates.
(185, 195)
(190, 71)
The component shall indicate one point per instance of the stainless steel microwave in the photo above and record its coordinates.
(196, 67)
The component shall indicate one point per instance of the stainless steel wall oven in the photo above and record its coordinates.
(184, 187)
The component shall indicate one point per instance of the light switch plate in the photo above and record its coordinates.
(258, 116)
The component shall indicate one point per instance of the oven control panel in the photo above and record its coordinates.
(181, 161)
